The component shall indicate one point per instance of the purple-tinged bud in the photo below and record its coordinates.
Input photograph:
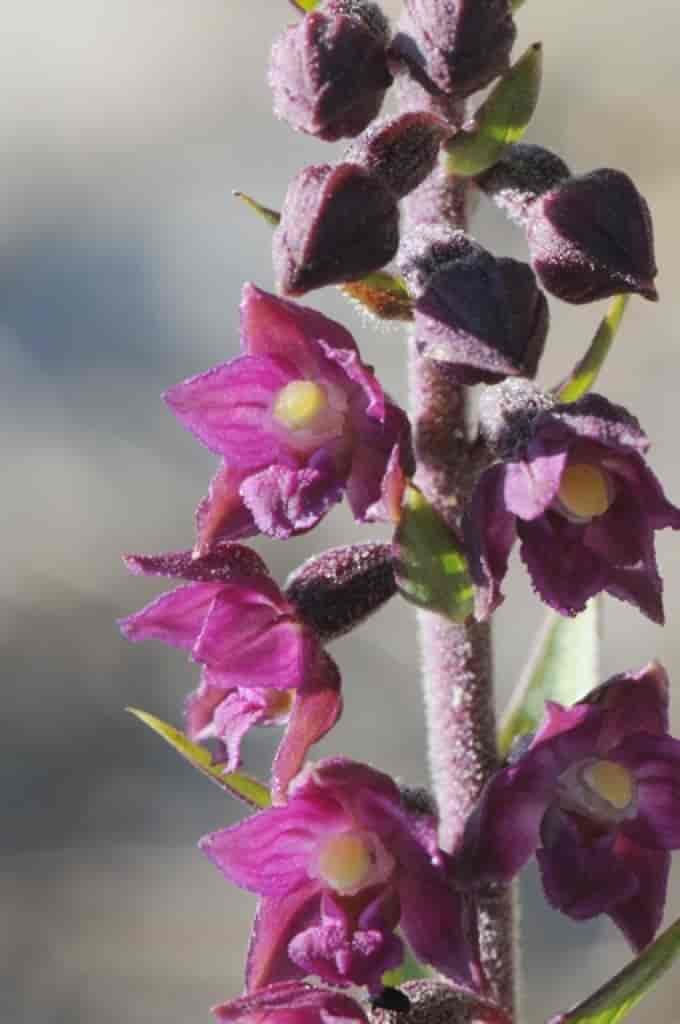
(335, 591)
(337, 224)
(591, 237)
(484, 316)
(401, 151)
(523, 174)
(459, 47)
(329, 72)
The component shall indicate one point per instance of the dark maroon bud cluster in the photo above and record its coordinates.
(591, 237)
(335, 591)
(458, 48)
(523, 174)
(329, 72)
(484, 316)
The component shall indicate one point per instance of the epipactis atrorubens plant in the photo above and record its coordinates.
(352, 869)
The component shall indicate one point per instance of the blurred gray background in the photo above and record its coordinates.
(124, 124)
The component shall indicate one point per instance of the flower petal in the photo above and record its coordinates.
(270, 853)
(564, 572)
(292, 1001)
(639, 917)
(654, 761)
(223, 562)
(284, 502)
(251, 638)
(316, 709)
(489, 530)
(175, 618)
(531, 484)
(582, 876)
(222, 514)
(276, 922)
(228, 409)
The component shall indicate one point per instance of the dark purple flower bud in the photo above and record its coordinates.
(338, 869)
(580, 497)
(261, 663)
(291, 1002)
(329, 73)
(401, 151)
(484, 316)
(457, 47)
(299, 420)
(597, 797)
(337, 224)
(591, 237)
(335, 591)
(523, 173)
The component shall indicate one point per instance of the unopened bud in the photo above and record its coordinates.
(401, 151)
(484, 316)
(329, 72)
(458, 47)
(591, 237)
(337, 224)
(335, 591)
(523, 174)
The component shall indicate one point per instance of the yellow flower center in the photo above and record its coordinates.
(585, 490)
(612, 782)
(345, 861)
(299, 404)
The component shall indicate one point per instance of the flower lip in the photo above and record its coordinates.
(353, 860)
(600, 789)
(585, 492)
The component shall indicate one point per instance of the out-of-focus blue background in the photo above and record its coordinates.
(123, 127)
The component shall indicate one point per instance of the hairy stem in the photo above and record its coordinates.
(457, 664)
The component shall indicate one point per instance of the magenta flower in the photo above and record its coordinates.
(298, 419)
(577, 492)
(261, 664)
(597, 796)
(338, 869)
(291, 1002)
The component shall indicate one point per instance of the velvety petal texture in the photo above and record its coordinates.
(291, 1002)
(349, 855)
(596, 795)
(262, 663)
(298, 420)
(577, 493)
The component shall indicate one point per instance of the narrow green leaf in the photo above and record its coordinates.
(382, 295)
(271, 216)
(564, 666)
(431, 569)
(502, 119)
(516, 4)
(617, 997)
(241, 786)
(305, 5)
(586, 371)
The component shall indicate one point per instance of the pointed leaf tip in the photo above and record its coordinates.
(617, 997)
(501, 120)
(271, 216)
(244, 788)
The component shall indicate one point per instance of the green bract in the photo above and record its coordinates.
(501, 120)
(431, 569)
